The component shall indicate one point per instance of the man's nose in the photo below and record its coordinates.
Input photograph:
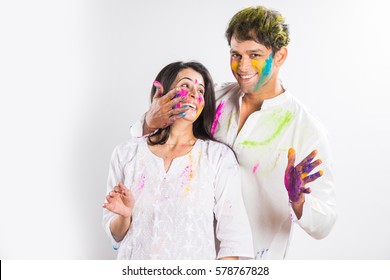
(244, 64)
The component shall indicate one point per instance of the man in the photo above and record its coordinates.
(268, 129)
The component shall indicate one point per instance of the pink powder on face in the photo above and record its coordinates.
(182, 93)
(217, 116)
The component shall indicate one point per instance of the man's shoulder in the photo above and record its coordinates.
(305, 115)
(226, 89)
(216, 150)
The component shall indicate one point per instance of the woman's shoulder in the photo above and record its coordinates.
(131, 144)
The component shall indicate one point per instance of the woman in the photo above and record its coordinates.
(179, 181)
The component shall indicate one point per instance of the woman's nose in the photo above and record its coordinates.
(193, 92)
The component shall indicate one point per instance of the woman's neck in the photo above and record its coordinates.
(181, 134)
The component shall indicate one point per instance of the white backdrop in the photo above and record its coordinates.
(75, 74)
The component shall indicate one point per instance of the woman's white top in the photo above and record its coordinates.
(174, 212)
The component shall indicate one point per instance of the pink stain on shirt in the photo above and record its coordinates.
(255, 167)
(142, 182)
(217, 116)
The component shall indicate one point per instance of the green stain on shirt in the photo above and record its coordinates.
(281, 120)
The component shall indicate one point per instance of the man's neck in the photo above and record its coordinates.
(252, 102)
(255, 100)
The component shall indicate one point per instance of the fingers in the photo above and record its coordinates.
(174, 118)
(179, 111)
(174, 103)
(170, 95)
(309, 167)
(307, 159)
(291, 159)
(122, 187)
(159, 89)
(313, 177)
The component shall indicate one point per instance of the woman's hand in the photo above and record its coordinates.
(120, 201)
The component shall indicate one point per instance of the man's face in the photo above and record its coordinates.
(251, 64)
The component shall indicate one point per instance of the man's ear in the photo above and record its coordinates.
(280, 56)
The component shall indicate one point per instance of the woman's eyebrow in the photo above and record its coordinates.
(191, 81)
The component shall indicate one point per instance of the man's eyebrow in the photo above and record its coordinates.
(191, 81)
(255, 51)
(249, 51)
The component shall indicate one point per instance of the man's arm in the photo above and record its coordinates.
(315, 208)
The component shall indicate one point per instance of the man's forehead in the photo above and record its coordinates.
(246, 46)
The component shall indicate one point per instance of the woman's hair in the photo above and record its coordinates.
(259, 24)
(202, 125)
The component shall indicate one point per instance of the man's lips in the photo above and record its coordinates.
(246, 77)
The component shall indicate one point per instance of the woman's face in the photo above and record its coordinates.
(193, 89)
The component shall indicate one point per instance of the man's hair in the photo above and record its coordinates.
(202, 125)
(260, 24)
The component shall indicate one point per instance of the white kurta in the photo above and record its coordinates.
(261, 148)
(174, 211)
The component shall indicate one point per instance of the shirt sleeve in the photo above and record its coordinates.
(136, 129)
(115, 175)
(232, 224)
(319, 209)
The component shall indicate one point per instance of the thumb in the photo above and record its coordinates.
(291, 158)
(159, 89)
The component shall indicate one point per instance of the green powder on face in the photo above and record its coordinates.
(281, 120)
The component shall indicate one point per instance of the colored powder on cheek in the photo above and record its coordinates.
(264, 69)
(217, 116)
(234, 66)
(182, 93)
(201, 105)
(255, 167)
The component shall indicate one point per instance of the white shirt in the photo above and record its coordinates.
(174, 211)
(261, 148)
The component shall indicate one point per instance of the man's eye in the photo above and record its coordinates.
(255, 55)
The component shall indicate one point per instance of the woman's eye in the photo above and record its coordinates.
(185, 85)
(201, 91)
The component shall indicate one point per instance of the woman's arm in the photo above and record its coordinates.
(121, 202)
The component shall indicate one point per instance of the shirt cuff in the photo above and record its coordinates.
(293, 217)
(115, 245)
(136, 130)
